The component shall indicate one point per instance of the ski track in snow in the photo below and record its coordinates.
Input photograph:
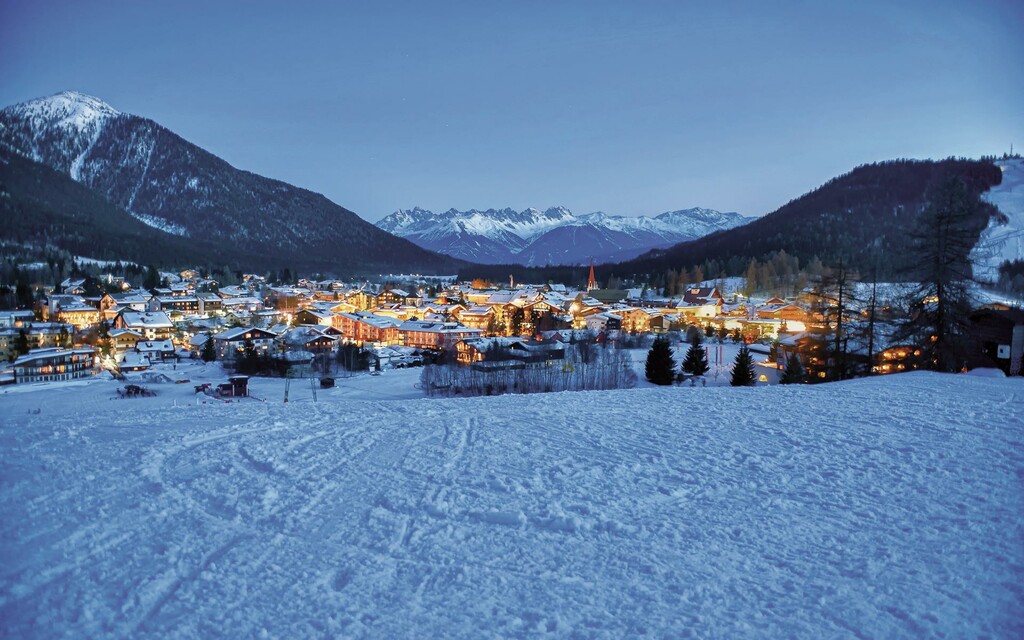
(874, 508)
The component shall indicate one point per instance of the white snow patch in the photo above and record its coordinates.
(162, 224)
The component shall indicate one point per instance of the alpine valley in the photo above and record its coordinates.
(552, 237)
(184, 194)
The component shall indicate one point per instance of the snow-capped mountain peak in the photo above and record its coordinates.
(77, 119)
(67, 110)
(553, 236)
(177, 187)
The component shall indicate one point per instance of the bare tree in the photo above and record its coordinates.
(940, 305)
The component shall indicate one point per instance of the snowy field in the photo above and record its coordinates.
(889, 507)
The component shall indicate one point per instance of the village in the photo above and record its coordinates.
(87, 326)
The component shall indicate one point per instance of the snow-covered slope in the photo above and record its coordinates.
(1004, 238)
(61, 128)
(878, 508)
(554, 236)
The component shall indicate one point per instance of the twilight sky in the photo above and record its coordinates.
(626, 107)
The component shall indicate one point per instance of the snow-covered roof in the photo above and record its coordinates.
(40, 354)
(303, 335)
(436, 327)
(160, 346)
(233, 291)
(478, 311)
(146, 319)
(133, 359)
(241, 301)
(117, 333)
(372, 319)
(319, 313)
(235, 333)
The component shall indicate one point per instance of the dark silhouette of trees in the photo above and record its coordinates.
(940, 306)
(794, 372)
(660, 366)
(515, 322)
(21, 345)
(743, 369)
(696, 361)
(209, 352)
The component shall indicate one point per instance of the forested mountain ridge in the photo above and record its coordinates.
(43, 208)
(863, 218)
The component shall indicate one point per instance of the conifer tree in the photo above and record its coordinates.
(105, 343)
(743, 369)
(660, 366)
(515, 323)
(21, 346)
(794, 371)
(152, 279)
(208, 354)
(696, 361)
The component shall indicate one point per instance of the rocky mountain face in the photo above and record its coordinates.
(556, 236)
(179, 188)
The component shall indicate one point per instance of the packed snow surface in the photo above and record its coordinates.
(1003, 239)
(889, 507)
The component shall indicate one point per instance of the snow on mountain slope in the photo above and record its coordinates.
(175, 186)
(493, 236)
(1003, 239)
(600, 239)
(64, 126)
(493, 223)
(574, 515)
(555, 236)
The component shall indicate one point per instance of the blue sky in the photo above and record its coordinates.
(630, 108)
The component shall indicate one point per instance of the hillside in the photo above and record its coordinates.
(41, 207)
(515, 516)
(864, 217)
(175, 186)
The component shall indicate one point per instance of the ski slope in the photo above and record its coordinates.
(1004, 239)
(889, 507)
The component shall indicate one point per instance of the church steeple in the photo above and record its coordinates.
(591, 281)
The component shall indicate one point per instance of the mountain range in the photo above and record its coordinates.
(78, 175)
(179, 189)
(864, 219)
(555, 236)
